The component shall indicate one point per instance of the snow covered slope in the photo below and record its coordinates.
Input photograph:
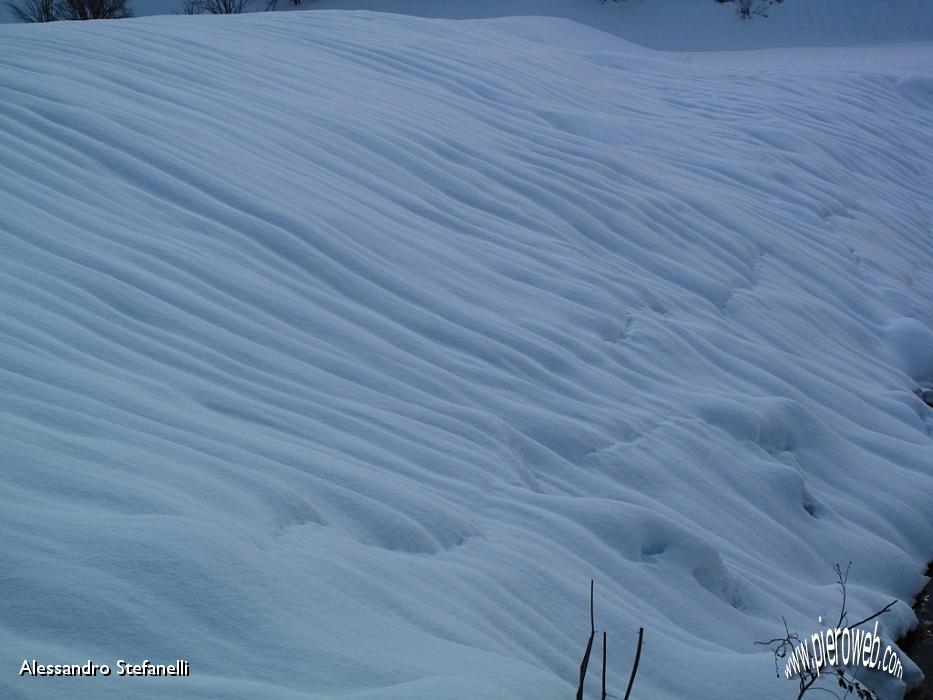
(341, 350)
(690, 25)
(678, 25)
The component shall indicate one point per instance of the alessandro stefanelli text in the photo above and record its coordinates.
(123, 668)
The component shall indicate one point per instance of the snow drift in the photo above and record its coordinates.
(677, 25)
(341, 350)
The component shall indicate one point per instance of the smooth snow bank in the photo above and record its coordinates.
(699, 25)
(676, 25)
(341, 350)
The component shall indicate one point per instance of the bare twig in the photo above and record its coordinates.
(872, 617)
(589, 647)
(604, 667)
(631, 680)
(841, 579)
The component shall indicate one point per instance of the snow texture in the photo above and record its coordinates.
(341, 349)
(678, 25)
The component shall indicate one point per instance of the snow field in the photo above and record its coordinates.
(342, 349)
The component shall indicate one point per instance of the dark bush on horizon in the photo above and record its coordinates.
(747, 8)
(225, 7)
(54, 10)
(215, 7)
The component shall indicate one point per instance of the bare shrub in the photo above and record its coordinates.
(92, 9)
(53, 10)
(215, 7)
(751, 8)
(783, 648)
(33, 10)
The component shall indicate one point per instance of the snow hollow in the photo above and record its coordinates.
(340, 350)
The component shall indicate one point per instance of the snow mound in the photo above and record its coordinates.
(341, 350)
(697, 25)
(677, 25)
